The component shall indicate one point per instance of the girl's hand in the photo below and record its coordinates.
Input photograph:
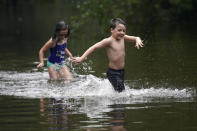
(139, 43)
(40, 65)
(70, 59)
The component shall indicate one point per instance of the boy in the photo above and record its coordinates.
(115, 48)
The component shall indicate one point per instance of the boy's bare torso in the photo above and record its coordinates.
(116, 53)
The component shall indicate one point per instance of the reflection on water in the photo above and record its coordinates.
(71, 114)
(60, 116)
(56, 113)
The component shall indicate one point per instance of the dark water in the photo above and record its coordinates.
(160, 78)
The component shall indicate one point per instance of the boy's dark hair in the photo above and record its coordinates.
(61, 26)
(116, 21)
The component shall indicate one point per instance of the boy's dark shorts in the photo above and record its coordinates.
(116, 78)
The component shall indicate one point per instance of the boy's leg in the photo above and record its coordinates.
(65, 74)
(116, 78)
(53, 73)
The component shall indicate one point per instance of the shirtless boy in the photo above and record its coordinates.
(115, 48)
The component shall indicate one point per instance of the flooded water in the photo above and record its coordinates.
(160, 78)
(90, 103)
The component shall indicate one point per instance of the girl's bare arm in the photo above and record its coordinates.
(46, 46)
(69, 53)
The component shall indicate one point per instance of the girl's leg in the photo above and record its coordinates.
(65, 73)
(53, 74)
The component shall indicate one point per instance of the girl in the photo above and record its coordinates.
(56, 61)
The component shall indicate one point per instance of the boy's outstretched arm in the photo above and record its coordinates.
(96, 46)
(135, 39)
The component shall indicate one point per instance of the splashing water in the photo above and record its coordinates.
(36, 85)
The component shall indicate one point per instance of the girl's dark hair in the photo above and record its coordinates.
(115, 21)
(60, 26)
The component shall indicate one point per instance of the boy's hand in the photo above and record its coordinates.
(138, 43)
(40, 65)
(77, 60)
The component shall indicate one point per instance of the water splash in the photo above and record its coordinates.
(36, 85)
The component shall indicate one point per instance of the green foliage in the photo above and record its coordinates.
(135, 11)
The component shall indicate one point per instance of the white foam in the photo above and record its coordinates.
(35, 85)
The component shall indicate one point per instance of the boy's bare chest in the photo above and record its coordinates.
(118, 46)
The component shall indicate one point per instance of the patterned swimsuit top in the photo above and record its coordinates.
(57, 54)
